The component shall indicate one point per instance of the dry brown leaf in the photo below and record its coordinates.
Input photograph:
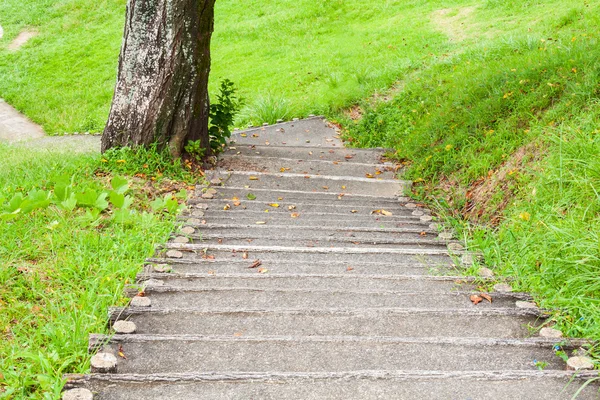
(354, 211)
(253, 178)
(262, 270)
(255, 135)
(291, 208)
(255, 264)
(348, 157)
(369, 175)
(326, 187)
(227, 207)
(486, 296)
(475, 299)
(245, 255)
(295, 215)
(237, 334)
(423, 233)
(237, 203)
(349, 269)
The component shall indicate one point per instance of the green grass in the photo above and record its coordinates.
(60, 270)
(289, 58)
(519, 115)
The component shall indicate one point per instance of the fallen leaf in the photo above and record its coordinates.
(348, 157)
(237, 203)
(260, 222)
(343, 187)
(262, 270)
(281, 169)
(349, 269)
(237, 334)
(251, 196)
(243, 135)
(295, 215)
(274, 205)
(423, 233)
(378, 172)
(475, 299)
(326, 187)
(306, 177)
(369, 175)
(280, 198)
(220, 241)
(227, 207)
(255, 264)
(245, 255)
(486, 296)
(211, 272)
(255, 135)
(291, 208)
(234, 198)
(253, 178)
(122, 353)
(382, 212)
(354, 211)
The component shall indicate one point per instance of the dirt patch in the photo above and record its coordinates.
(21, 39)
(453, 22)
(488, 197)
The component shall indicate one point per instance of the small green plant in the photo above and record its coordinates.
(222, 114)
(194, 149)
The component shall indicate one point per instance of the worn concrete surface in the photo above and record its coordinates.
(345, 304)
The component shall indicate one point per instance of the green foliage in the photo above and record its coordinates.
(195, 150)
(222, 114)
(147, 163)
(462, 121)
(71, 239)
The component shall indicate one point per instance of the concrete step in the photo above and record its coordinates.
(353, 385)
(307, 220)
(320, 255)
(345, 156)
(298, 196)
(307, 132)
(253, 180)
(339, 207)
(321, 282)
(258, 298)
(499, 323)
(239, 162)
(299, 239)
(240, 266)
(196, 223)
(280, 231)
(152, 354)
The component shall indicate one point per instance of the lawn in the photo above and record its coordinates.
(493, 106)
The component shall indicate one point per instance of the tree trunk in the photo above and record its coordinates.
(161, 94)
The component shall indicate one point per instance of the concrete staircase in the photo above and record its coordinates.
(302, 273)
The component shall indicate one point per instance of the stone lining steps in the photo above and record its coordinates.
(344, 305)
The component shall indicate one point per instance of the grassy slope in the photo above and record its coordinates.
(61, 270)
(289, 58)
(506, 135)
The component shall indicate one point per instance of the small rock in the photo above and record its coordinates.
(211, 191)
(410, 205)
(188, 230)
(215, 181)
(162, 268)
(579, 363)
(181, 239)
(403, 199)
(502, 288)
(124, 327)
(208, 196)
(486, 272)
(78, 394)
(194, 221)
(140, 301)
(198, 213)
(202, 206)
(455, 247)
(418, 213)
(104, 363)
(446, 235)
(526, 304)
(174, 254)
(426, 218)
(550, 333)
(467, 259)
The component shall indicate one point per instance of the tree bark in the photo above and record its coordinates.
(161, 94)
